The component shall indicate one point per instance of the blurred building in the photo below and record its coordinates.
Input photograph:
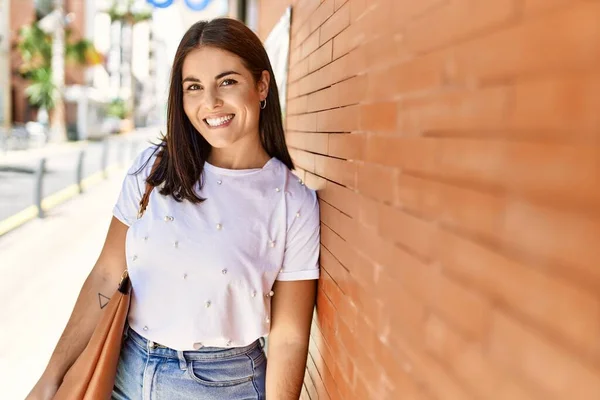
(5, 110)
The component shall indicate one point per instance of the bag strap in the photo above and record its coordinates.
(149, 188)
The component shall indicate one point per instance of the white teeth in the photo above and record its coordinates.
(218, 121)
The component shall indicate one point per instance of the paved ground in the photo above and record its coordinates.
(42, 267)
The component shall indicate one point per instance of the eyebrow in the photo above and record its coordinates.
(192, 78)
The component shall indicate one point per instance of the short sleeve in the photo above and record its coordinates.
(134, 184)
(303, 241)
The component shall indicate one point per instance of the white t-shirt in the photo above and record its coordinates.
(202, 274)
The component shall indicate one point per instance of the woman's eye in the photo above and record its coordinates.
(228, 82)
(194, 87)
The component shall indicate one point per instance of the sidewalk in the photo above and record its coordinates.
(42, 267)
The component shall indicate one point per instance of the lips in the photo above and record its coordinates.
(216, 122)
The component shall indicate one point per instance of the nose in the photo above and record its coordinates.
(212, 100)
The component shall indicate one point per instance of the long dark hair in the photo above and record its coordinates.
(183, 150)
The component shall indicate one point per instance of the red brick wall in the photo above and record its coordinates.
(454, 144)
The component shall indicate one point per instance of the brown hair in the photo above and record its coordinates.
(183, 150)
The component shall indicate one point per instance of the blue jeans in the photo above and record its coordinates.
(148, 371)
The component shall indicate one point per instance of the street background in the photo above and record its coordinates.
(453, 144)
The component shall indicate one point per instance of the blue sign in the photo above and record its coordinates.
(160, 4)
(195, 5)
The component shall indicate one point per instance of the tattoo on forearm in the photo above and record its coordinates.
(103, 300)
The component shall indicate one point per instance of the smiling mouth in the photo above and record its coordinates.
(219, 122)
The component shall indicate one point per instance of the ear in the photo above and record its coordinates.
(263, 85)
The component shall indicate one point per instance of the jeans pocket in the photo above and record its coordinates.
(222, 372)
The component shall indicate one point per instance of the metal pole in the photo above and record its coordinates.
(38, 191)
(79, 173)
(104, 160)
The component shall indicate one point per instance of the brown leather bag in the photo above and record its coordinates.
(92, 376)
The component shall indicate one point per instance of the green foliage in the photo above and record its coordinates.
(125, 14)
(35, 47)
(42, 92)
(117, 108)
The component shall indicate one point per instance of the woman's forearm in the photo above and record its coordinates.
(79, 329)
(285, 370)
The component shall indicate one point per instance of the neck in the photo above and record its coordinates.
(245, 157)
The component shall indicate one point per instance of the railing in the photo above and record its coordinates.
(113, 152)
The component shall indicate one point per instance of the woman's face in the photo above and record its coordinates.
(221, 98)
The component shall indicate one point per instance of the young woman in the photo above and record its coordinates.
(227, 250)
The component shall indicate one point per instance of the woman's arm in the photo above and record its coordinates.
(291, 315)
(103, 279)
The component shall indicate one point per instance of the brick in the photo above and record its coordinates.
(347, 66)
(321, 57)
(309, 386)
(296, 55)
(456, 20)
(411, 76)
(531, 7)
(404, 11)
(338, 120)
(563, 239)
(418, 195)
(572, 34)
(409, 231)
(378, 117)
(331, 217)
(339, 3)
(567, 103)
(314, 182)
(298, 105)
(356, 264)
(472, 367)
(384, 51)
(321, 15)
(303, 122)
(368, 212)
(376, 182)
(298, 71)
(323, 358)
(303, 159)
(313, 142)
(406, 318)
(334, 25)
(340, 197)
(456, 112)
(351, 91)
(315, 377)
(324, 99)
(542, 298)
(310, 44)
(293, 90)
(349, 146)
(377, 20)
(299, 37)
(541, 362)
(337, 71)
(340, 171)
(347, 40)
(302, 11)
(357, 9)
